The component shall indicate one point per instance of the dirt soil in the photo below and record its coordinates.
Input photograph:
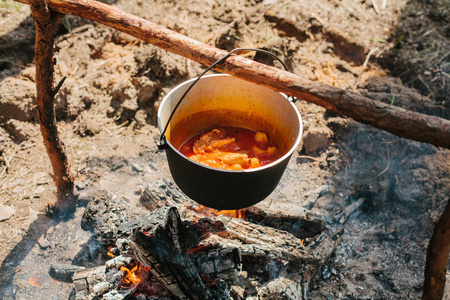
(395, 51)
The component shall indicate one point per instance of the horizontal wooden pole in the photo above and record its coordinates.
(396, 120)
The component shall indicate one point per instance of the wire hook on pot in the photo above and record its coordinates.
(162, 143)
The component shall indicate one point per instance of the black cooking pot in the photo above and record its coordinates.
(223, 100)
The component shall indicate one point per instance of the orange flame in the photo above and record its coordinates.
(136, 275)
(132, 276)
(34, 281)
(239, 213)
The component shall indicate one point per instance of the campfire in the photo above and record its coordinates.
(180, 250)
(172, 248)
(234, 213)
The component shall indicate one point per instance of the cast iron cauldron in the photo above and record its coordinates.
(223, 100)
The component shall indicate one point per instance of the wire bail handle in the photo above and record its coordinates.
(162, 143)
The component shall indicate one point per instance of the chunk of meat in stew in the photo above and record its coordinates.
(212, 141)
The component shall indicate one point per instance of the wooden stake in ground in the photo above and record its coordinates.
(437, 258)
(47, 23)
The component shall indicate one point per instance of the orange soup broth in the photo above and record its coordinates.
(245, 140)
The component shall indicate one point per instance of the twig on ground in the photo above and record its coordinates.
(310, 157)
(371, 52)
(24, 147)
(445, 74)
(428, 32)
(382, 172)
(442, 57)
(8, 160)
(425, 84)
(123, 124)
(108, 131)
(3, 172)
(375, 6)
(345, 214)
(5, 159)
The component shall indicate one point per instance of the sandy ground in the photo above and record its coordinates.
(394, 51)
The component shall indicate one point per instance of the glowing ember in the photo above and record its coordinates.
(109, 252)
(207, 279)
(195, 249)
(146, 233)
(239, 213)
(34, 281)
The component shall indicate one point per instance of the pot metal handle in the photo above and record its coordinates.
(162, 143)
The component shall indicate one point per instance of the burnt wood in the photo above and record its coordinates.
(162, 192)
(258, 240)
(63, 272)
(301, 225)
(84, 280)
(224, 263)
(161, 246)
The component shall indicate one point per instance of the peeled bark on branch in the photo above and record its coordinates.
(47, 23)
(398, 121)
(437, 258)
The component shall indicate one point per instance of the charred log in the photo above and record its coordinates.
(301, 225)
(63, 272)
(105, 213)
(282, 288)
(224, 263)
(161, 246)
(160, 193)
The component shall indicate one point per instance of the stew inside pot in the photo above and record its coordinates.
(230, 148)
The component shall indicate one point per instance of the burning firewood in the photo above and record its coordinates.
(159, 243)
(195, 252)
(303, 225)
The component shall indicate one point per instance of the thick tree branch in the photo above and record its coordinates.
(47, 23)
(437, 258)
(399, 121)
